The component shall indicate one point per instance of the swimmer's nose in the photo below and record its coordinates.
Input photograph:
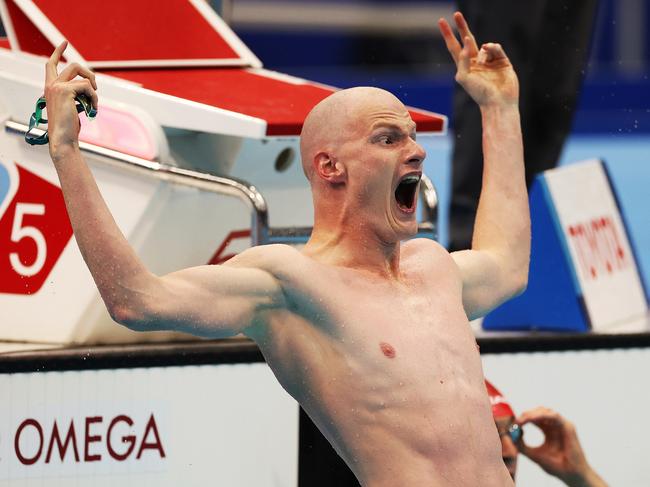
(417, 155)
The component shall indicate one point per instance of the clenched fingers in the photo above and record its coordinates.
(73, 78)
(492, 54)
(553, 425)
(76, 69)
(539, 416)
(84, 86)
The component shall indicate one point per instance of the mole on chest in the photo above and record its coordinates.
(387, 349)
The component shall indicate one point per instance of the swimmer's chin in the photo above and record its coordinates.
(403, 230)
(404, 223)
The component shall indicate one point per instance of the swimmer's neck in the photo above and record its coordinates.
(352, 247)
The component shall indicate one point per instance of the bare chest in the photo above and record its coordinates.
(414, 333)
(403, 336)
(386, 369)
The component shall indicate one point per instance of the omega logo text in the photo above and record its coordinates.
(88, 440)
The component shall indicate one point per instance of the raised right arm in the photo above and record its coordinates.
(495, 269)
(213, 301)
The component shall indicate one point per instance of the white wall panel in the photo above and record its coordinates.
(226, 425)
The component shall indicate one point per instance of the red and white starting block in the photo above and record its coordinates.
(193, 143)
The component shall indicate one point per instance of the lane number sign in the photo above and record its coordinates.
(34, 229)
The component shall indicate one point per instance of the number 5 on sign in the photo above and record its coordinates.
(18, 232)
(34, 229)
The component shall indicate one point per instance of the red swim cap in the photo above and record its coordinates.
(500, 407)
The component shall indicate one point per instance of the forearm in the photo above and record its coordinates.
(502, 224)
(115, 267)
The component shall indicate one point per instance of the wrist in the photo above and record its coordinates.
(62, 150)
(586, 478)
(499, 106)
(502, 119)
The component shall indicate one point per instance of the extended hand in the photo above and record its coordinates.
(561, 454)
(486, 74)
(60, 92)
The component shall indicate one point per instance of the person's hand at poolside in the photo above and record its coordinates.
(561, 454)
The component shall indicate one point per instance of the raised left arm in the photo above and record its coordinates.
(496, 267)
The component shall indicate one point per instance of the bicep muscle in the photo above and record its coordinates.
(214, 301)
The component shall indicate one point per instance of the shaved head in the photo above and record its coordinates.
(332, 120)
(358, 148)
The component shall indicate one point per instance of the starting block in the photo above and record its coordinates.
(191, 146)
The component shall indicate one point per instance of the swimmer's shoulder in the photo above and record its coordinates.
(424, 247)
(428, 254)
(277, 259)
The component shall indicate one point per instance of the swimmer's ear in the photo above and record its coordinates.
(329, 169)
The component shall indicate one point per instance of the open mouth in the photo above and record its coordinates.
(406, 192)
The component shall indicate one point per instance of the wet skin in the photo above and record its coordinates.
(379, 351)
(418, 418)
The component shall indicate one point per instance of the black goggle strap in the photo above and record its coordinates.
(83, 104)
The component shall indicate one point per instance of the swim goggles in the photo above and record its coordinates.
(82, 104)
(514, 431)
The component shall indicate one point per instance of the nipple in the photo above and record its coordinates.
(387, 349)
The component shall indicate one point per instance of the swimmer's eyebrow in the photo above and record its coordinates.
(395, 128)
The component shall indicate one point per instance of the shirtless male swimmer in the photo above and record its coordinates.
(369, 335)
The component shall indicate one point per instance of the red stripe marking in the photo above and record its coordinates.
(217, 258)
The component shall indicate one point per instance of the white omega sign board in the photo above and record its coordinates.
(218, 425)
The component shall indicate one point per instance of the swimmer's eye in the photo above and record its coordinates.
(388, 137)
